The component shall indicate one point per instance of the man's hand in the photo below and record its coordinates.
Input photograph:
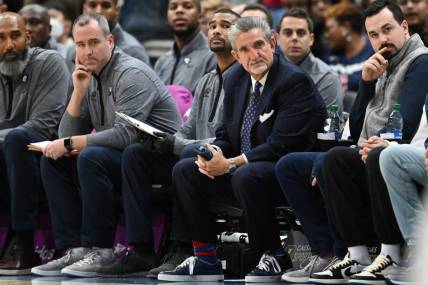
(369, 144)
(375, 66)
(55, 149)
(81, 77)
(217, 166)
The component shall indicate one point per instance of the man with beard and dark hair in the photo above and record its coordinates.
(190, 57)
(122, 39)
(33, 91)
(38, 26)
(142, 167)
(416, 14)
(355, 191)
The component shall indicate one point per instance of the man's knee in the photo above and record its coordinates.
(16, 139)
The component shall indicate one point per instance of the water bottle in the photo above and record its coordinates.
(334, 121)
(394, 125)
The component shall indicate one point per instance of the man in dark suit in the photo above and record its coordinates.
(271, 108)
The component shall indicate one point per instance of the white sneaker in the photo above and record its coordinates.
(375, 273)
(339, 272)
(54, 267)
(313, 264)
(93, 260)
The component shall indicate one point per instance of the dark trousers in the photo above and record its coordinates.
(21, 176)
(358, 199)
(255, 187)
(294, 171)
(140, 169)
(84, 217)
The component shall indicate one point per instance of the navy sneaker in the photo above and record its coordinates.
(194, 269)
(269, 269)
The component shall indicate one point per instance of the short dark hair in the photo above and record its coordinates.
(378, 5)
(297, 13)
(262, 8)
(227, 11)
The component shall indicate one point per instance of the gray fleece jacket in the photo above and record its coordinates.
(124, 85)
(206, 112)
(38, 97)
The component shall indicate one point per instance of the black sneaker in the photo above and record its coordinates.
(170, 261)
(269, 269)
(132, 264)
(375, 273)
(339, 272)
(18, 260)
(194, 269)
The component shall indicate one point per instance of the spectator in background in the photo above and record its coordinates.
(258, 10)
(190, 57)
(295, 39)
(416, 14)
(208, 9)
(345, 35)
(37, 23)
(60, 22)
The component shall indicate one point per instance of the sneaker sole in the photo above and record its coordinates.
(190, 278)
(76, 273)
(15, 271)
(262, 279)
(291, 279)
(364, 281)
(328, 281)
(45, 273)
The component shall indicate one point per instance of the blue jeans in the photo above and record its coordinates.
(403, 170)
(21, 175)
(81, 196)
(294, 171)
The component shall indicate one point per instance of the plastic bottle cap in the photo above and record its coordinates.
(333, 108)
(396, 106)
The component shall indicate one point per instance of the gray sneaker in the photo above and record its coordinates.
(313, 264)
(53, 268)
(170, 262)
(91, 263)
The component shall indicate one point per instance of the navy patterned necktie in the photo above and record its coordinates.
(249, 116)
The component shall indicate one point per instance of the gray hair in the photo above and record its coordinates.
(85, 19)
(246, 24)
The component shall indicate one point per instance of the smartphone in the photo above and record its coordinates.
(204, 152)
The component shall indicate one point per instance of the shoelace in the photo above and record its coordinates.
(311, 261)
(89, 258)
(190, 261)
(266, 261)
(380, 263)
(345, 262)
(334, 261)
(64, 259)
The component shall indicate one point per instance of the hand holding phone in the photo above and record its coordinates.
(204, 152)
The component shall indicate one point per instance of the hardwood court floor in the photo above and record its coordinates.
(33, 280)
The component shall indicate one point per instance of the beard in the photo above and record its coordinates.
(187, 32)
(16, 66)
(389, 54)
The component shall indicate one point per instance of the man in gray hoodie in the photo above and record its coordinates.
(34, 84)
(81, 192)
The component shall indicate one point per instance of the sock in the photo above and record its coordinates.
(145, 248)
(393, 250)
(205, 251)
(360, 253)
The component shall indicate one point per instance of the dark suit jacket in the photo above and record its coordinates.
(298, 113)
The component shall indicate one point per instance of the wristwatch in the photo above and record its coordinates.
(232, 165)
(67, 144)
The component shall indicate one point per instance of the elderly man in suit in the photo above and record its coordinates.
(271, 108)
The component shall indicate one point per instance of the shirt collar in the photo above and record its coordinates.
(262, 81)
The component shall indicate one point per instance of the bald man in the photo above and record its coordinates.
(38, 26)
(33, 94)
